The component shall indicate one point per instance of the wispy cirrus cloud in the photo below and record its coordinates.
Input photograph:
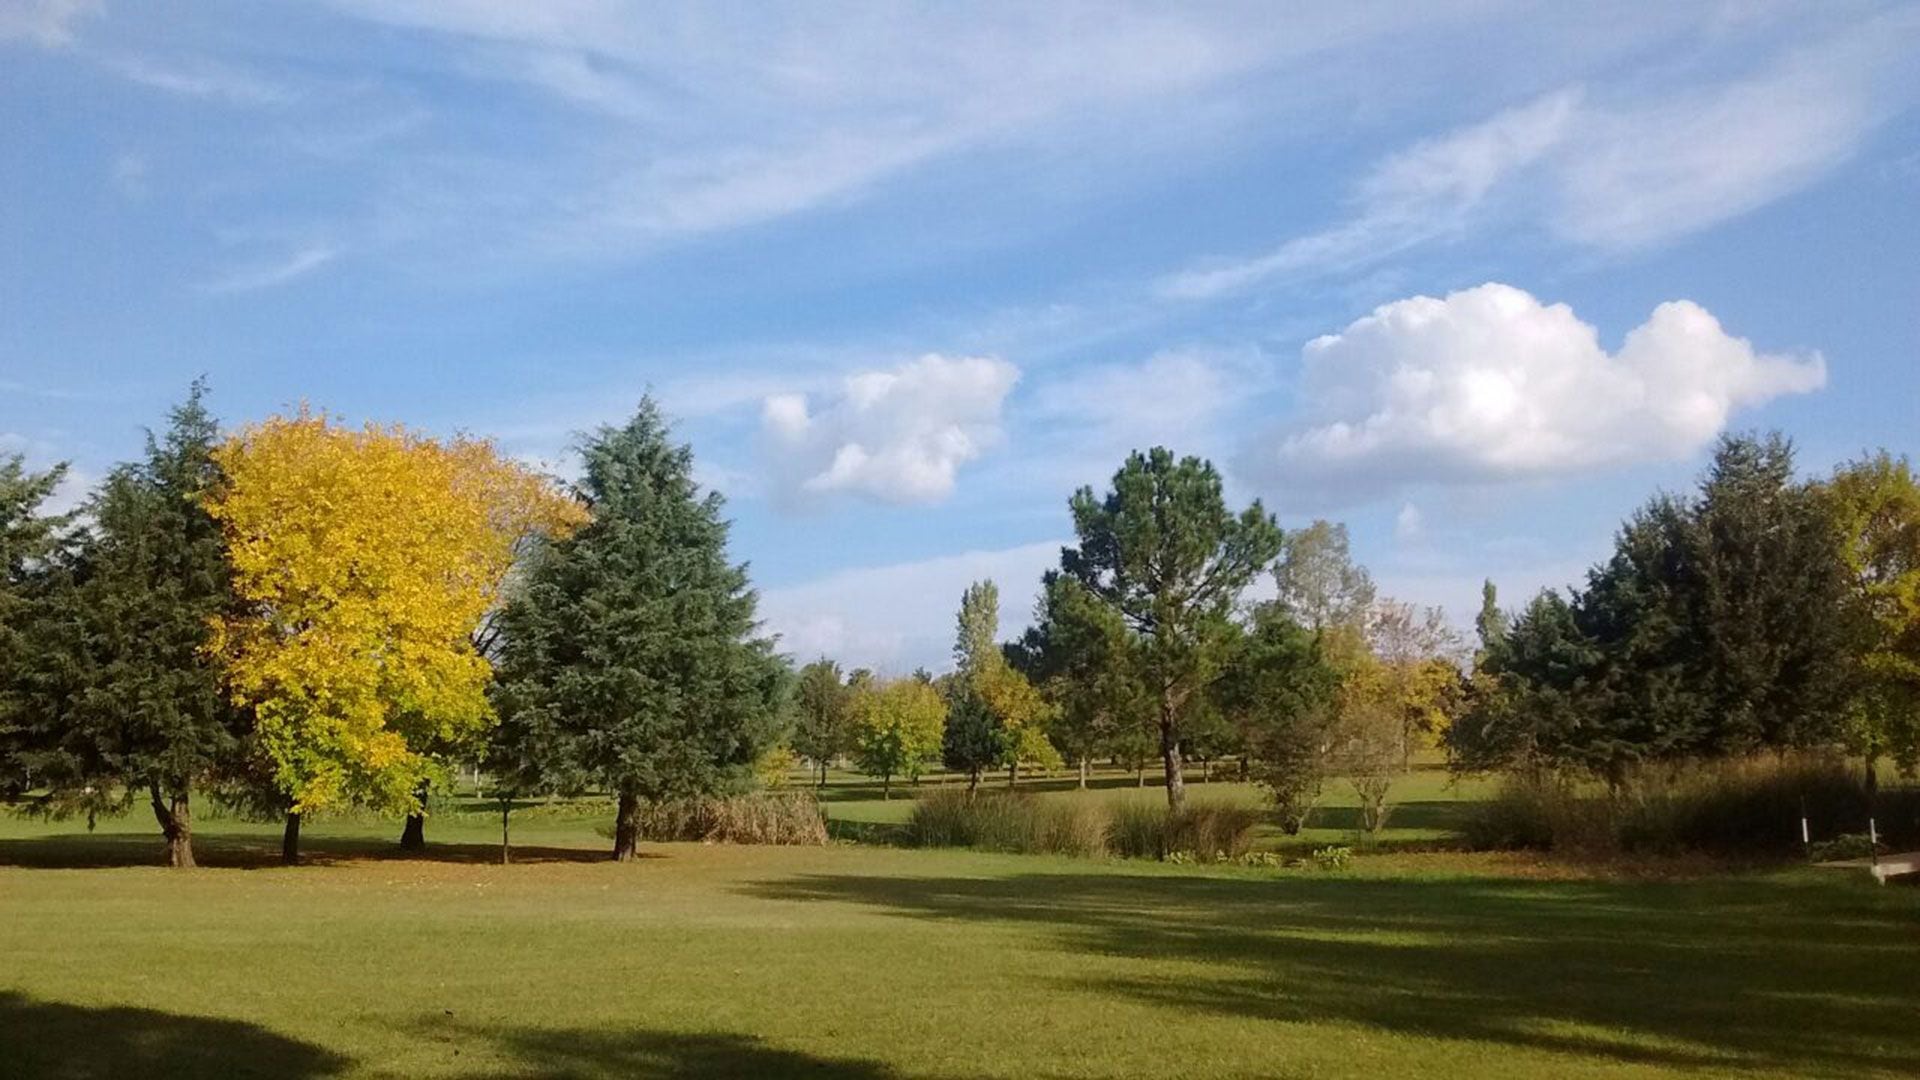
(268, 274)
(47, 23)
(1611, 172)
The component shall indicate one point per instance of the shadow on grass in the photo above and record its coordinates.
(1433, 814)
(1810, 978)
(55, 1041)
(888, 833)
(83, 851)
(574, 1054)
(51, 1041)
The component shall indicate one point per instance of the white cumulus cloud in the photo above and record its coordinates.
(1490, 384)
(897, 436)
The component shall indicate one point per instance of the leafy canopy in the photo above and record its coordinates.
(363, 560)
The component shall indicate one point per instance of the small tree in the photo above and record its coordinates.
(822, 715)
(898, 727)
(1874, 504)
(972, 740)
(630, 660)
(1368, 735)
(1278, 691)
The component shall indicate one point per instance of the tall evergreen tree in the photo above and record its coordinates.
(29, 540)
(1719, 625)
(1162, 552)
(130, 699)
(630, 661)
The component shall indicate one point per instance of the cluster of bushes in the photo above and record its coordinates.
(1027, 825)
(1746, 806)
(770, 818)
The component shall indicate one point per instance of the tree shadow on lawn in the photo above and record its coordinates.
(1431, 814)
(86, 851)
(56, 1041)
(1814, 978)
(52, 1041)
(580, 1054)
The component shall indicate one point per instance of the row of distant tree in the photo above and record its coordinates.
(299, 615)
(1764, 612)
(1148, 643)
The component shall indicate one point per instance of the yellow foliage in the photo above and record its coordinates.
(1022, 710)
(364, 560)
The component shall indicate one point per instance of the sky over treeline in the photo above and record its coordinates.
(1476, 278)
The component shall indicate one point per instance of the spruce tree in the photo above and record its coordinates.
(630, 660)
(29, 540)
(127, 697)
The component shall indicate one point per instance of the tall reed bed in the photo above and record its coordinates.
(1743, 806)
(1076, 826)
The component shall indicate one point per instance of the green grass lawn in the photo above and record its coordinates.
(1428, 806)
(862, 961)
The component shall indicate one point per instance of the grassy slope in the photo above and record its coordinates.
(870, 962)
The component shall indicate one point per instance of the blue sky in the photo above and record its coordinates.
(1474, 278)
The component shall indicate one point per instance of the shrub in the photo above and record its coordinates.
(1076, 826)
(1748, 806)
(1138, 830)
(1016, 823)
(1332, 858)
(1212, 831)
(1203, 832)
(742, 819)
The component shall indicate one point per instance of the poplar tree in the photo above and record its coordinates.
(631, 660)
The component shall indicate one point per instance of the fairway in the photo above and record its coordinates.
(856, 961)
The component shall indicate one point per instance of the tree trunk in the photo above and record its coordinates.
(1206, 771)
(1170, 750)
(626, 827)
(1013, 773)
(973, 780)
(506, 839)
(886, 786)
(1872, 776)
(290, 839)
(414, 836)
(176, 825)
(1140, 775)
(1083, 772)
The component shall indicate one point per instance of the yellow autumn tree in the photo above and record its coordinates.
(364, 560)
